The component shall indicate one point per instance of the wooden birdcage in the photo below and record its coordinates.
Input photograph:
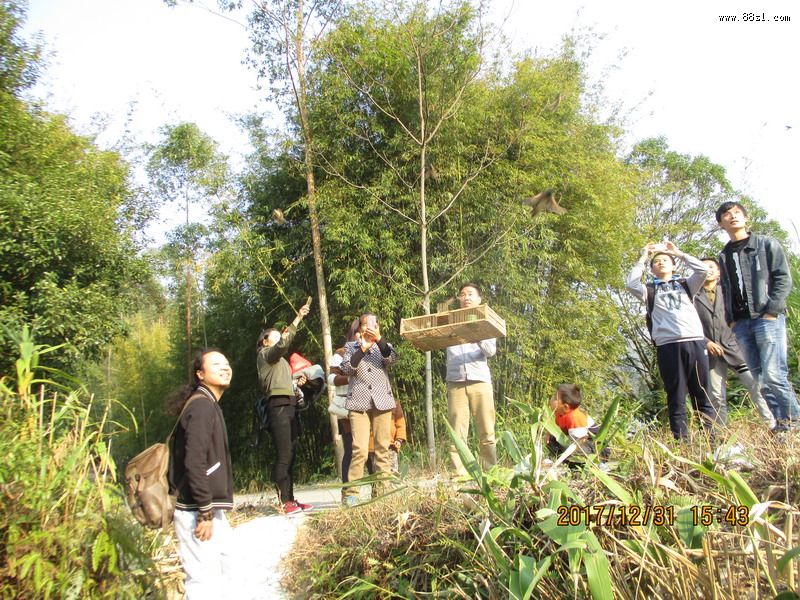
(452, 327)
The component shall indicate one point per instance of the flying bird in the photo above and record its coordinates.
(277, 215)
(544, 202)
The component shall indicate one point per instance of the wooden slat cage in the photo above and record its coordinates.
(460, 326)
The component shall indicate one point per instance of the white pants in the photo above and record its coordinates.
(207, 564)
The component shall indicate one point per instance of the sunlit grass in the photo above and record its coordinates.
(65, 530)
(498, 535)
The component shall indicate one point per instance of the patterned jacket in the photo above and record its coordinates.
(369, 383)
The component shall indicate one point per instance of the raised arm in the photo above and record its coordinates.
(634, 281)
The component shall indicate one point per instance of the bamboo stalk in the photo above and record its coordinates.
(52, 416)
(772, 571)
(730, 576)
(757, 576)
(712, 578)
(788, 529)
(41, 407)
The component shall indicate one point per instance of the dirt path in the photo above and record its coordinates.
(263, 537)
(261, 543)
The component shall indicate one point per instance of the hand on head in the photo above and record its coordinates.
(666, 247)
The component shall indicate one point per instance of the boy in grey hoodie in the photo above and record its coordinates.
(676, 331)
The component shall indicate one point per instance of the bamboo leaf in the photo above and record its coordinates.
(510, 444)
(612, 485)
(466, 456)
(690, 534)
(527, 576)
(787, 558)
(609, 418)
(741, 490)
(598, 576)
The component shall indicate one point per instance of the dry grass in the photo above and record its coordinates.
(440, 542)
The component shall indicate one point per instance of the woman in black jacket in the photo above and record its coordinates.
(200, 471)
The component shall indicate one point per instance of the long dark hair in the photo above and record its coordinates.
(353, 330)
(178, 398)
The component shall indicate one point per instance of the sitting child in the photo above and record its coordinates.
(572, 420)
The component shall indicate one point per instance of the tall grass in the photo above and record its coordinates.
(499, 536)
(64, 530)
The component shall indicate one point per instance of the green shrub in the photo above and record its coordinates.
(65, 530)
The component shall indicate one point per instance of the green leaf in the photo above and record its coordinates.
(787, 558)
(609, 418)
(467, 458)
(613, 486)
(741, 490)
(561, 534)
(598, 576)
(525, 578)
(690, 534)
(510, 444)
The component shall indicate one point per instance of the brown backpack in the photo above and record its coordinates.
(147, 485)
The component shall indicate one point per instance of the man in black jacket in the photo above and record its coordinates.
(756, 281)
(723, 351)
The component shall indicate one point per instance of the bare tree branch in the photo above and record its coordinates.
(331, 170)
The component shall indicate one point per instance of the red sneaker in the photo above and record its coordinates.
(304, 507)
(291, 508)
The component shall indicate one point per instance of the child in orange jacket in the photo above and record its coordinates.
(570, 417)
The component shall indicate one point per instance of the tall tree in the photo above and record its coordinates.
(283, 32)
(437, 143)
(187, 166)
(408, 74)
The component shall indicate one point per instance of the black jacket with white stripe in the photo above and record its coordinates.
(200, 461)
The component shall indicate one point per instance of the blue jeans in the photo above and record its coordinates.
(763, 342)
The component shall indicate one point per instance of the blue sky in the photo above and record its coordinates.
(729, 90)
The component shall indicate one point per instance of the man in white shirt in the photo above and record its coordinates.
(469, 389)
